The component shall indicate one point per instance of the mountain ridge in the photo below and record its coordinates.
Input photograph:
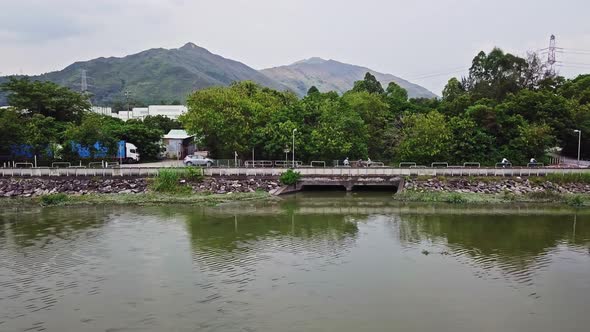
(333, 75)
(160, 75)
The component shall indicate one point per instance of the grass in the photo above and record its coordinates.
(150, 198)
(54, 199)
(170, 180)
(504, 198)
(568, 178)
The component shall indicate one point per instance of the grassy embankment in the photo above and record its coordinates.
(547, 196)
(169, 187)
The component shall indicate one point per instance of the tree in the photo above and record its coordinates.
(42, 134)
(532, 142)
(11, 130)
(368, 84)
(470, 143)
(396, 92)
(374, 112)
(162, 123)
(145, 138)
(340, 133)
(233, 118)
(496, 74)
(542, 107)
(425, 138)
(45, 98)
(92, 129)
(312, 90)
(452, 90)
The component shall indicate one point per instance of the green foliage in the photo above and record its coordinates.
(11, 130)
(456, 198)
(545, 195)
(161, 123)
(45, 98)
(144, 137)
(290, 177)
(194, 174)
(369, 84)
(234, 118)
(425, 138)
(575, 201)
(168, 181)
(54, 199)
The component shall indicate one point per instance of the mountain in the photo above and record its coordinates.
(331, 75)
(155, 75)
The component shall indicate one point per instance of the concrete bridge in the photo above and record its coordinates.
(392, 183)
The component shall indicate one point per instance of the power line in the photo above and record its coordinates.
(429, 75)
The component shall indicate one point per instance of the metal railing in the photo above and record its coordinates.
(406, 164)
(439, 164)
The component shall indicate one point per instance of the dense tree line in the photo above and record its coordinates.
(44, 119)
(507, 107)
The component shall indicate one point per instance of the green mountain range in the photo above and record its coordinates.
(166, 75)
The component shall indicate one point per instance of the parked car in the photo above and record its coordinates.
(195, 160)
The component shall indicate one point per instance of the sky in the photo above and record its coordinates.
(424, 41)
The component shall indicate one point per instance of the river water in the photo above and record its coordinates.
(314, 262)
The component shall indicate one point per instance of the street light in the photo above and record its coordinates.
(294, 130)
(579, 143)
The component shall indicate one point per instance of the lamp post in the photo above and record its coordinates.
(579, 143)
(294, 130)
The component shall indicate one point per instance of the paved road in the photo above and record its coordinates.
(163, 163)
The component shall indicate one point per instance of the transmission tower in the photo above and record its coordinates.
(551, 58)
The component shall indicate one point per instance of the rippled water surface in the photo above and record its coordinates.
(315, 262)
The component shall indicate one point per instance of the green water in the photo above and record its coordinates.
(315, 262)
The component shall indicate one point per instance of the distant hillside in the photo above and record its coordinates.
(330, 75)
(155, 75)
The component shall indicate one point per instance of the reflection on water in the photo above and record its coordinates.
(316, 261)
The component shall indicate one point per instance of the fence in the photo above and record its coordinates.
(309, 171)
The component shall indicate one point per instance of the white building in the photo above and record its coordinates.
(123, 115)
(169, 111)
(139, 113)
(102, 110)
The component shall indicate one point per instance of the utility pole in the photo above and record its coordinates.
(127, 94)
(579, 132)
(294, 130)
(84, 81)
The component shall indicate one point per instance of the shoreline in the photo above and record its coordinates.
(140, 199)
(461, 198)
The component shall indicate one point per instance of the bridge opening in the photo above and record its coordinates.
(375, 188)
(323, 188)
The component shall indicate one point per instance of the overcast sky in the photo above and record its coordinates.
(410, 39)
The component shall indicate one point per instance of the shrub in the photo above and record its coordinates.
(290, 177)
(575, 201)
(168, 181)
(194, 173)
(456, 198)
(54, 199)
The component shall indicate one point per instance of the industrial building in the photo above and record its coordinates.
(139, 113)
